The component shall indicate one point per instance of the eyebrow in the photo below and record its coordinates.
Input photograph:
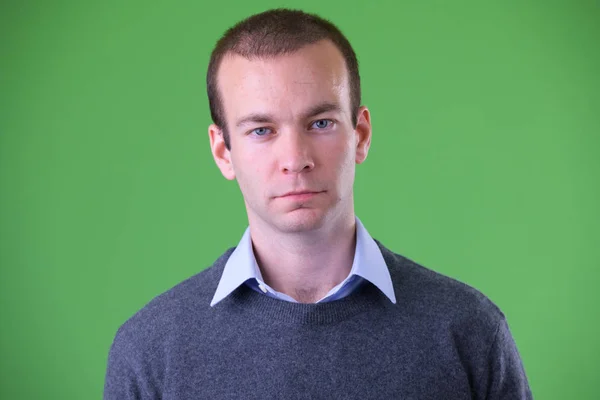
(311, 112)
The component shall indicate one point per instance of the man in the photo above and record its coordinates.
(308, 305)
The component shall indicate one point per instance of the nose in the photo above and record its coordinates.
(295, 153)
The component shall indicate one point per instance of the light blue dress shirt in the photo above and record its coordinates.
(241, 268)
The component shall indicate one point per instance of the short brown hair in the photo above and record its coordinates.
(272, 33)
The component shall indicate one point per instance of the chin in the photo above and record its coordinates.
(301, 220)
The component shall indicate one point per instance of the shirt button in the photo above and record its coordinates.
(261, 286)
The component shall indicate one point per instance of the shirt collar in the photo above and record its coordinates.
(368, 263)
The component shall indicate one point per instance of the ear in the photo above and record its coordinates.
(363, 134)
(220, 153)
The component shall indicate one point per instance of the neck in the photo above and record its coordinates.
(306, 265)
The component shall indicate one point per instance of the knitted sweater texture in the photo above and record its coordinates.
(442, 340)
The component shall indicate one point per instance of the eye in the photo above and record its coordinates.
(322, 123)
(262, 131)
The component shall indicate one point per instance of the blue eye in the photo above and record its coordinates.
(322, 123)
(261, 131)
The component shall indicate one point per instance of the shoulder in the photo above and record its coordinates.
(439, 298)
(461, 321)
(184, 304)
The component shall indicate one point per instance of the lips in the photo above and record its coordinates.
(299, 195)
(299, 192)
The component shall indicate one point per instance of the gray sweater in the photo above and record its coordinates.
(442, 340)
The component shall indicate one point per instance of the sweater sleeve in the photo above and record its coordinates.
(121, 381)
(504, 377)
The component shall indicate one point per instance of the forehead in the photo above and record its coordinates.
(284, 84)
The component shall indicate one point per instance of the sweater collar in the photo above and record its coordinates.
(368, 263)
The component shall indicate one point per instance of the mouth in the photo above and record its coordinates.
(300, 195)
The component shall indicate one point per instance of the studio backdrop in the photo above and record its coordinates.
(484, 166)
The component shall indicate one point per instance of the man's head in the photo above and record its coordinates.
(284, 94)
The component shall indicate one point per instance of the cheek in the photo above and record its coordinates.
(338, 159)
(345, 156)
(250, 170)
(348, 166)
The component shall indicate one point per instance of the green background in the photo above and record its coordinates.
(484, 166)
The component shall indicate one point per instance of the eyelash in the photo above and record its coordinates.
(330, 121)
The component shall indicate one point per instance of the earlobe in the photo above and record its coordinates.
(363, 134)
(221, 155)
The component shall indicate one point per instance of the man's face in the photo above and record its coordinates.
(290, 127)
